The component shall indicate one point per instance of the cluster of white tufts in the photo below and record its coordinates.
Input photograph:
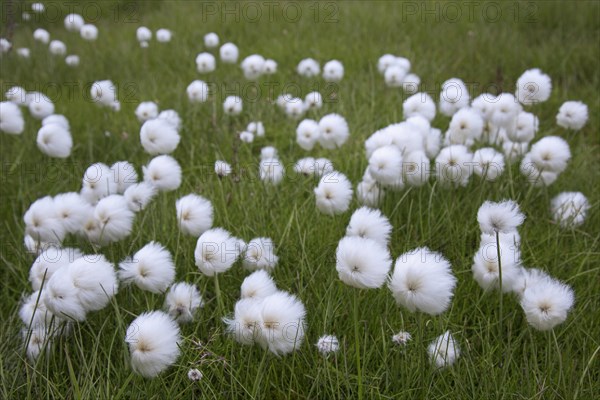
(396, 73)
(267, 316)
(497, 264)
(144, 35)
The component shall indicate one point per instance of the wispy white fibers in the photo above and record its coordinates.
(369, 193)
(54, 141)
(443, 351)
(257, 128)
(333, 71)
(569, 209)
(11, 118)
(232, 105)
(313, 101)
(362, 263)
(98, 182)
(163, 35)
(533, 87)
(146, 110)
(305, 166)
(334, 131)
(124, 174)
(74, 22)
(42, 223)
(33, 312)
(247, 320)
(211, 40)
(453, 166)
(222, 168)
(270, 67)
(38, 340)
(486, 270)
(216, 251)
(323, 166)
(423, 281)
(71, 209)
(158, 136)
(151, 268)
(271, 170)
(416, 168)
(72, 60)
(282, 323)
(115, 218)
(57, 119)
(572, 115)
(194, 214)
(547, 302)
(60, 296)
(394, 76)
(153, 343)
(307, 134)
(503, 217)
(40, 105)
(377, 140)
(41, 35)
(401, 338)
(197, 91)
(385, 165)
(16, 95)
(465, 128)
(371, 224)
(57, 48)
(205, 63)
(172, 117)
(229, 53)
(143, 34)
(163, 172)
(328, 344)
(294, 107)
(505, 108)
(551, 154)
(488, 163)
(260, 254)
(453, 96)
(50, 260)
(308, 68)
(182, 301)
(89, 32)
(139, 195)
(525, 127)
(333, 194)
(258, 285)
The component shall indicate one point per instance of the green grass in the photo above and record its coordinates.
(519, 363)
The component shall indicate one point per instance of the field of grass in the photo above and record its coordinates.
(488, 51)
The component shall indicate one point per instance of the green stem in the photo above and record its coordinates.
(221, 308)
(499, 278)
(357, 346)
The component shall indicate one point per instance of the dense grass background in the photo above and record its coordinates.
(487, 52)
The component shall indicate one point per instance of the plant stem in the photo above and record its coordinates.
(357, 346)
(220, 306)
(499, 278)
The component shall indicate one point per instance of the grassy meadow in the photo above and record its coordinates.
(487, 45)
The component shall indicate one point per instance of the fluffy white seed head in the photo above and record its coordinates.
(444, 351)
(503, 217)
(151, 268)
(139, 195)
(572, 115)
(547, 302)
(54, 141)
(50, 260)
(183, 301)
(205, 63)
(146, 110)
(488, 163)
(569, 209)
(362, 263)
(334, 131)
(42, 223)
(163, 172)
(258, 285)
(371, 224)
(282, 323)
(114, 217)
(197, 91)
(419, 104)
(158, 136)
(229, 53)
(333, 194)
(308, 68)
(216, 251)
(328, 344)
(333, 71)
(232, 105)
(533, 87)
(194, 214)
(11, 118)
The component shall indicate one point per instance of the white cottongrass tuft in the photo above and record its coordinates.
(50, 260)
(453, 96)
(143, 34)
(153, 343)
(105, 94)
(194, 375)
(333, 71)
(369, 193)
(163, 172)
(163, 35)
(258, 285)
(533, 86)
(253, 66)
(216, 251)
(172, 117)
(423, 281)
(211, 40)
(295, 108)
(54, 141)
(270, 67)
(232, 105)
(158, 136)
(486, 270)
(465, 127)
(72, 60)
(489, 163)
(502, 217)
(385, 165)
(308, 68)
(194, 214)
(114, 217)
(257, 128)
(271, 170)
(305, 166)
(260, 254)
(334, 131)
(371, 224)
(362, 263)
(550, 154)
(182, 301)
(11, 118)
(74, 22)
(546, 302)
(40, 105)
(197, 91)
(313, 100)
(419, 104)
(229, 53)
(246, 322)
(307, 134)
(57, 48)
(151, 268)
(569, 209)
(139, 195)
(453, 166)
(222, 168)
(42, 223)
(282, 323)
(443, 351)
(333, 194)
(41, 35)
(205, 63)
(572, 115)
(94, 278)
(146, 110)
(394, 76)
(89, 32)
(401, 338)
(124, 174)
(328, 344)
(33, 312)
